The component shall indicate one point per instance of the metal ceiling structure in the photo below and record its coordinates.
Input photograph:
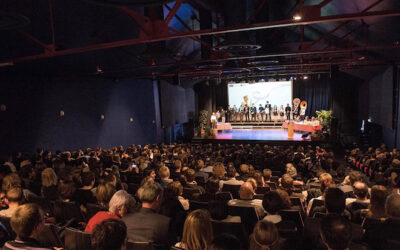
(313, 42)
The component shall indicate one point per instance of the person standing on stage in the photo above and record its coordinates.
(253, 112)
(223, 113)
(234, 113)
(241, 112)
(228, 114)
(261, 112)
(288, 109)
(268, 111)
(218, 115)
(246, 113)
(282, 113)
(214, 120)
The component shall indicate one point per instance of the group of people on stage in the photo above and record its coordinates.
(263, 113)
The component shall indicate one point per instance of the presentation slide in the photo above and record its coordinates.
(276, 93)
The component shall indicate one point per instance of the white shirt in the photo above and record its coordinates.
(213, 118)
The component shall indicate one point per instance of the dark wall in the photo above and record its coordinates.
(33, 120)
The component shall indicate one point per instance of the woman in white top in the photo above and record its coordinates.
(214, 120)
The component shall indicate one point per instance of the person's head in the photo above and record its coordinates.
(336, 232)
(120, 202)
(267, 173)
(291, 170)
(246, 191)
(218, 209)
(285, 198)
(272, 202)
(163, 172)
(226, 241)
(10, 181)
(360, 190)
(219, 170)
(49, 177)
(150, 195)
(392, 206)
(190, 175)
(231, 173)
(177, 165)
(354, 176)
(87, 179)
(244, 169)
(259, 178)
(14, 196)
(287, 182)
(109, 234)
(378, 199)
(27, 220)
(325, 180)
(174, 188)
(265, 236)
(335, 200)
(66, 189)
(104, 192)
(197, 230)
(212, 185)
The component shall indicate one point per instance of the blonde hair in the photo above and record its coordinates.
(49, 178)
(219, 170)
(265, 236)
(10, 181)
(163, 172)
(104, 192)
(197, 231)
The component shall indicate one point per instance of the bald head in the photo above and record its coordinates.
(246, 191)
(360, 190)
(392, 206)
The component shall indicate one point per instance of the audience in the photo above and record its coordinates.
(246, 194)
(13, 199)
(49, 182)
(110, 234)
(265, 236)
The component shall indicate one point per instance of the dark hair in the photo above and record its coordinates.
(272, 202)
(66, 189)
(190, 175)
(226, 241)
(110, 234)
(360, 190)
(87, 178)
(354, 176)
(336, 231)
(25, 219)
(231, 172)
(212, 185)
(335, 200)
(287, 181)
(218, 209)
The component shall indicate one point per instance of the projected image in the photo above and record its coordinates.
(276, 93)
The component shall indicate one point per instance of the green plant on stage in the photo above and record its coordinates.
(209, 132)
(203, 119)
(327, 116)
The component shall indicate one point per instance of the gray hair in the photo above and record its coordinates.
(120, 199)
(392, 205)
(149, 192)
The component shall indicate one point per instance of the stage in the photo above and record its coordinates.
(272, 136)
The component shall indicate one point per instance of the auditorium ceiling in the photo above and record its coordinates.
(192, 40)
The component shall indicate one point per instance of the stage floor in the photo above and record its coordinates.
(266, 134)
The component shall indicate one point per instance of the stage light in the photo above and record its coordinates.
(305, 77)
(3, 107)
(262, 80)
(295, 78)
(98, 70)
(102, 117)
(297, 17)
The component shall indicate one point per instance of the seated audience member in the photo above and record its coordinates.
(376, 208)
(174, 190)
(219, 212)
(360, 190)
(231, 178)
(265, 236)
(212, 188)
(12, 180)
(390, 228)
(110, 234)
(253, 183)
(146, 225)
(84, 194)
(267, 173)
(244, 172)
(176, 170)
(325, 180)
(219, 170)
(226, 242)
(163, 173)
(259, 179)
(335, 203)
(286, 183)
(190, 181)
(199, 173)
(272, 203)
(118, 206)
(49, 184)
(347, 185)
(104, 193)
(287, 203)
(27, 222)
(14, 198)
(246, 193)
(291, 170)
(197, 231)
(336, 233)
(66, 190)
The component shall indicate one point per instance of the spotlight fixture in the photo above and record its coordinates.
(297, 17)
(62, 113)
(131, 119)
(98, 70)
(102, 117)
(305, 77)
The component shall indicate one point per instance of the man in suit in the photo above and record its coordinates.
(288, 109)
(229, 114)
(146, 225)
(261, 112)
(268, 111)
(253, 112)
(234, 113)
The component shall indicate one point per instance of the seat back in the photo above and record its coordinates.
(133, 188)
(6, 223)
(92, 209)
(65, 211)
(138, 245)
(49, 237)
(190, 193)
(248, 216)
(76, 239)
(237, 229)
(293, 215)
(43, 203)
(233, 189)
(135, 179)
(315, 203)
(262, 190)
(272, 185)
(275, 179)
(198, 205)
(287, 229)
(224, 196)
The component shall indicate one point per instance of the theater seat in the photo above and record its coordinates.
(66, 211)
(92, 209)
(248, 216)
(293, 215)
(49, 237)
(6, 223)
(76, 239)
(190, 193)
(262, 190)
(193, 205)
(224, 196)
(237, 229)
(233, 189)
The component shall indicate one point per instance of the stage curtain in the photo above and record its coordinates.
(316, 91)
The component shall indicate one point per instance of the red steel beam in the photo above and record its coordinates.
(172, 13)
(323, 37)
(51, 13)
(138, 18)
(256, 11)
(33, 39)
(221, 30)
